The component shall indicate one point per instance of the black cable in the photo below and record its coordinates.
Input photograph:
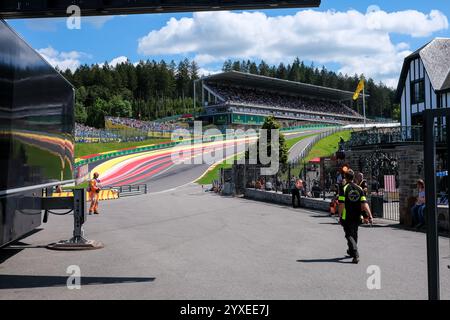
(60, 214)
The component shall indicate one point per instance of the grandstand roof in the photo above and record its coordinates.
(274, 84)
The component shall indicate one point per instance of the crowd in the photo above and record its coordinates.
(83, 131)
(249, 96)
(85, 134)
(146, 126)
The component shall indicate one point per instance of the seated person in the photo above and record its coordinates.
(418, 210)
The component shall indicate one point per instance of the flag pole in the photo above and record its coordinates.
(364, 104)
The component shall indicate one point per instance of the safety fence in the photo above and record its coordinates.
(107, 192)
(131, 190)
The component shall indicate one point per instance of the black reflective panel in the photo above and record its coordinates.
(10, 9)
(36, 127)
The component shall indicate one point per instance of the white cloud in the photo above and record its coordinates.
(358, 42)
(114, 62)
(63, 60)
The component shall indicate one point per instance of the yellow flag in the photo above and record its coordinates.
(358, 89)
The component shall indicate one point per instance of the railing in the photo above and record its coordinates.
(131, 190)
(378, 136)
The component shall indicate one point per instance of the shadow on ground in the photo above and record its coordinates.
(328, 260)
(9, 281)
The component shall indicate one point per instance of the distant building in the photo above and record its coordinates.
(425, 81)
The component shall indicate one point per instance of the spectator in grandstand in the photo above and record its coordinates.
(146, 126)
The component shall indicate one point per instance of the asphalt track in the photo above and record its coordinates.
(159, 172)
(191, 244)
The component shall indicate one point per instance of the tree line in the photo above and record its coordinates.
(151, 90)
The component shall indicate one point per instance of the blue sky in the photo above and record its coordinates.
(341, 35)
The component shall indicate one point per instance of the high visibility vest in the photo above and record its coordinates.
(354, 197)
(93, 185)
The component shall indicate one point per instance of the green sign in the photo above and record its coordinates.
(247, 119)
(221, 119)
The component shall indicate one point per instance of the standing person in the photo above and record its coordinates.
(360, 181)
(352, 201)
(295, 190)
(339, 178)
(303, 188)
(94, 191)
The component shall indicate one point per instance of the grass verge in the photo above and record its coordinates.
(328, 146)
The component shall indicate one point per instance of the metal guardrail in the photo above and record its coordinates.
(131, 190)
(404, 134)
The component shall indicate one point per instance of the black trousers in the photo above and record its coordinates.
(351, 234)
(295, 195)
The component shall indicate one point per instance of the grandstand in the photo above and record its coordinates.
(246, 99)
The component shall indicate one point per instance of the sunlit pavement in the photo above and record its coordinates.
(190, 244)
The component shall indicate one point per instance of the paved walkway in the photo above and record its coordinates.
(188, 244)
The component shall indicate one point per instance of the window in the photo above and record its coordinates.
(417, 91)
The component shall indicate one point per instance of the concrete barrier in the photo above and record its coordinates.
(286, 199)
(107, 194)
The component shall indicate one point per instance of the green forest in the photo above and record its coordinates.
(151, 90)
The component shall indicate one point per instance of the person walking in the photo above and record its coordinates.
(352, 201)
(94, 191)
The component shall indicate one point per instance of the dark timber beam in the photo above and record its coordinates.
(17, 9)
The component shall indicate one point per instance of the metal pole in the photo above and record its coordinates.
(79, 215)
(364, 105)
(430, 196)
(447, 128)
(195, 97)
